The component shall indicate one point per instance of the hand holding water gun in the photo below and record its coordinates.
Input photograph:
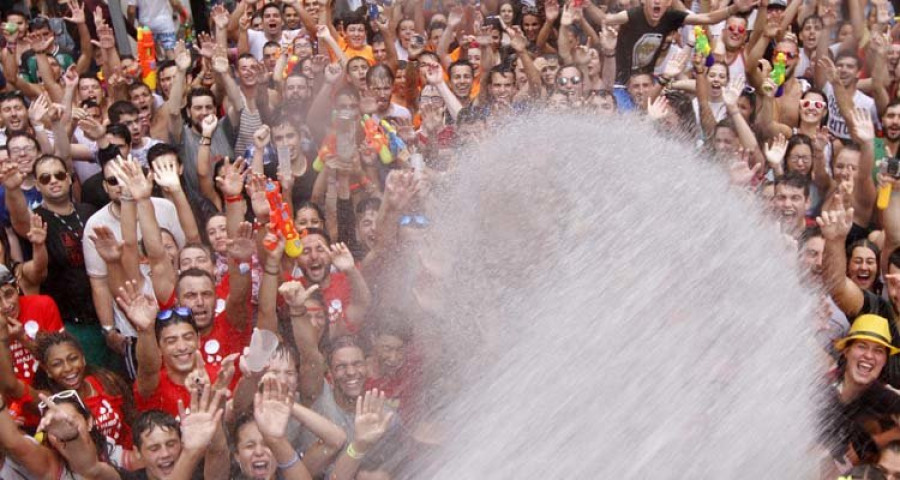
(281, 221)
(396, 143)
(328, 148)
(779, 69)
(147, 56)
(701, 42)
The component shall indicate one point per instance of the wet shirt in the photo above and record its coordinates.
(108, 414)
(167, 393)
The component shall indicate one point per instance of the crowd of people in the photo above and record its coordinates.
(214, 256)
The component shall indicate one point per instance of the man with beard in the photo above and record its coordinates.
(889, 144)
(297, 94)
(645, 28)
(380, 84)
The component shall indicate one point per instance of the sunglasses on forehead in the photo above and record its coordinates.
(63, 396)
(45, 178)
(183, 313)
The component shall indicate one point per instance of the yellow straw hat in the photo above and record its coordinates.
(871, 328)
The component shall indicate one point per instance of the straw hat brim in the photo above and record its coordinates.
(841, 344)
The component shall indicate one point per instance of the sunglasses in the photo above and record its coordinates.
(788, 55)
(739, 29)
(563, 81)
(180, 312)
(45, 178)
(815, 103)
(62, 396)
(415, 221)
(111, 181)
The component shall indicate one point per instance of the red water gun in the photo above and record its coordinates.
(292, 62)
(147, 56)
(280, 216)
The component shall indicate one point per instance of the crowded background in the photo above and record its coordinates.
(212, 211)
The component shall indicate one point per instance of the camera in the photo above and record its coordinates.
(893, 167)
(417, 40)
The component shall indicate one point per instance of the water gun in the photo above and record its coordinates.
(292, 62)
(377, 139)
(701, 42)
(329, 147)
(397, 144)
(147, 56)
(778, 72)
(280, 216)
(11, 27)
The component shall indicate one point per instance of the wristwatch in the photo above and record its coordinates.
(108, 329)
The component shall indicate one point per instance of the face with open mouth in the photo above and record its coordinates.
(863, 267)
(718, 79)
(655, 9)
(865, 360)
(65, 365)
(315, 261)
(253, 455)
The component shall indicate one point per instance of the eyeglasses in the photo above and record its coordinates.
(63, 395)
(801, 158)
(425, 100)
(22, 150)
(111, 181)
(563, 81)
(739, 29)
(415, 221)
(45, 178)
(818, 104)
(180, 312)
(788, 55)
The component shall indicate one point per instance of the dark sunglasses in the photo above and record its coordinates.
(111, 181)
(180, 312)
(415, 221)
(46, 177)
(563, 81)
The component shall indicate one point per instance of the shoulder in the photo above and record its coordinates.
(85, 209)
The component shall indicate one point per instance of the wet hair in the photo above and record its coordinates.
(369, 204)
(119, 108)
(391, 322)
(200, 246)
(119, 130)
(460, 63)
(353, 18)
(14, 95)
(310, 205)
(316, 231)
(150, 420)
(809, 234)
(345, 341)
(198, 92)
(164, 64)
(22, 134)
(267, 6)
(379, 72)
(849, 54)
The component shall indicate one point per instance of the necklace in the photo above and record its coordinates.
(76, 232)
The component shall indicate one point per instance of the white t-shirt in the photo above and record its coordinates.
(166, 216)
(836, 123)
(156, 14)
(258, 40)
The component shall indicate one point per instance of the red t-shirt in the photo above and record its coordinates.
(167, 393)
(337, 299)
(38, 313)
(108, 415)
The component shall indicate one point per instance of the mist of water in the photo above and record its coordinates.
(635, 316)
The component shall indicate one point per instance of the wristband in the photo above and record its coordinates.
(205, 141)
(234, 198)
(289, 464)
(352, 453)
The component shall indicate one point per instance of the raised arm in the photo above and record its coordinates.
(16, 204)
(10, 387)
(720, 15)
(200, 424)
(272, 410)
(266, 317)
(306, 336)
(240, 253)
(222, 71)
(35, 270)
(37, 459)
(141, 311)
(835, 226)
(730, 96)
(165, 173)
(170, 112)
(204, 161)
(320, 454)
(370, 425)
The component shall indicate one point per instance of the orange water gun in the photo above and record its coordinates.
(147, 56)
(292, 62)
(376, 139)
(280, 217)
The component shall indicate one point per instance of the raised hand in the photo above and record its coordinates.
(220, 61)
(827, 66)
(740, 174)
(294, 294)
(220, 17)
(581, 55)
(455, 18)
(732, 93)
(242, 247)
(108, 246)
(608, 39)
(39, 109)
(862, 125)
(106, 38)
(58, 424)
(11, 176)
(129, 173)
(165, 173)
(208, 125)
(231, 177)
(835, 224)
(272, 408)
(551, 10)
(400, 188)
(37, 234)
(77, 9)
(333, 73)
(140, 309)
(262, 136)
(434, 74)
(658, 108)
(568, 15)
(775, 151)
(371, 422)
(342, 258)
(675, 65)
(182, 56)
(200, 422)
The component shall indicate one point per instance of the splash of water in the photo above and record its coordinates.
(637, 317)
